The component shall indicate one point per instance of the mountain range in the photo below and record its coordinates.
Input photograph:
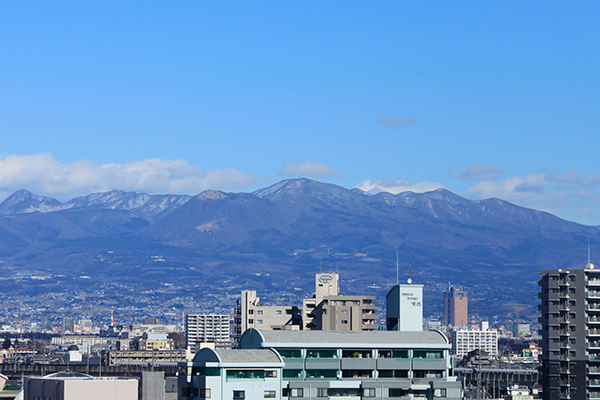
(278, 237)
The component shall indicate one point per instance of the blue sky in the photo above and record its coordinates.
(487, 99)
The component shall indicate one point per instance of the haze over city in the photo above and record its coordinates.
(486, 99)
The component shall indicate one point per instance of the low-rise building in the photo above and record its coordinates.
(76, 386)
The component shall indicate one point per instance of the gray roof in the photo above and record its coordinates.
(357, 338)
(240, 355)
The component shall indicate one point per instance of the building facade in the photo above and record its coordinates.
(207, 328)
(75, 386)
(466, 340)
(404, 308)
(456, 307)
(226, 374)
(328, 310)
(570, 319)
(380, 364)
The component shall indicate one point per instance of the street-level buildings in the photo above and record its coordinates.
(570, 319)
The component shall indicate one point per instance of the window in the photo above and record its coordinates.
(344, 322)
(439, 392)
(297, 392)
(398, 392)
(239, 394)
(344, 311)
(259, 312)
(278, 312)
(270, 374)
(245, 374)
(204, 394)
(321, 392)
(259, 321)
(321, 373)
(428, 354)
(269, 394)
(400, 353)
(290, 353)
(325, 353)
(369, 392)
(250, 311)
(250, 321)
(292, 374)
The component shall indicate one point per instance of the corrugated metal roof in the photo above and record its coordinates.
(242, 355)
(353, 337)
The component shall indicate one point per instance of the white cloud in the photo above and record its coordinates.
(478, 172)
(42, 174)
(309, 169)
(396, 186)
(395, 122)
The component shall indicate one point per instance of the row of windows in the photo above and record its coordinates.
(332, 353)
(321, 392)
(383, 373)
(234, 374)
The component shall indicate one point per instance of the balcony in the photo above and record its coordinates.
(592, 332)
(593, 383)
(593, 307)
(594, 319)
(593, 370)
(593, 282)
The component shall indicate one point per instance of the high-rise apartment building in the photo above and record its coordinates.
(456, 310)
(207, 328)
(329, 310)
(466, 340)
(570, 333)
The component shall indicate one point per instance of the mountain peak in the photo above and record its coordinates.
(23, 201)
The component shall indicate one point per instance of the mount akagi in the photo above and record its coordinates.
(277, 238)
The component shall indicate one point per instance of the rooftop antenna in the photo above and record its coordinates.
(589, 263)
(410, 272)
(397, 269)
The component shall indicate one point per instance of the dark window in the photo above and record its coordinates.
(239, 394)
(398, 392)
(270, 374)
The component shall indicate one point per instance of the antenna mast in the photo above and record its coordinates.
(397, 269)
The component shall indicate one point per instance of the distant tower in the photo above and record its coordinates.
(112, 316)
(456, 307)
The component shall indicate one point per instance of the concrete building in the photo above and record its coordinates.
(254, 314)
(207, 328)
(328, 310)
(570, 308)
(456, 307)
(404, 308)
(466, 340)
(359, 364)
(75, 386)
(226, 374)
(155, 341)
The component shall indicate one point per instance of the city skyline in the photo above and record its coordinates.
(486, 100)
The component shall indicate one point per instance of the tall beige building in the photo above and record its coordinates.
(330, 311)
(327, 310)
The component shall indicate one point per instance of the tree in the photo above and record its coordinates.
(6, 344)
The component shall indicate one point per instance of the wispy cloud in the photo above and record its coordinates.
(309, 169)
(395, 122)
(570, 195)
(478, 172)
(42, 174)
(396, 186)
